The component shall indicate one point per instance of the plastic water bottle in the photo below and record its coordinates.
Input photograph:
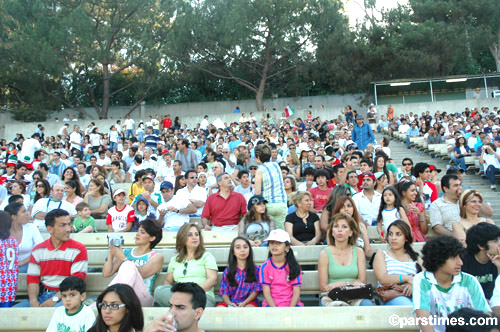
(172, 320)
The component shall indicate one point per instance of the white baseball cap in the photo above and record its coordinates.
(278, 235)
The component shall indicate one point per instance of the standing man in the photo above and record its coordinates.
(53, 260)
(269, 183)
(362, 134)
(76, 141)
(166, 123)
(187, 156)
(368, 200)
(129, 127)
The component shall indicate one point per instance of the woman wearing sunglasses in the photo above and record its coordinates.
(118, 309)
(191, 264)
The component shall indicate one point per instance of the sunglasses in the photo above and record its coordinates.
(185, 268)
(192, 177)
(407, 164)
(253, 168)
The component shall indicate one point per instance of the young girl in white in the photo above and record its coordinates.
(240, 283)
(280, 275)
(391, 210)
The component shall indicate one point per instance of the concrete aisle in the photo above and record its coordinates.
(400, 151)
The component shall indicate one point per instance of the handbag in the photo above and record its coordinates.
(349, 293)
(389, 292)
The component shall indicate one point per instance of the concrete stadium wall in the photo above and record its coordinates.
(192, 113)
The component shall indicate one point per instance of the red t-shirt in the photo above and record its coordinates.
(320, 197)
(167, 123)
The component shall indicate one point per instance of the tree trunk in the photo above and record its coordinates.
(495, 51)
(105, 90)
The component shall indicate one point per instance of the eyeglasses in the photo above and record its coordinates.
(112, 306)
(253, 168)
(407, 164)
(185, 268)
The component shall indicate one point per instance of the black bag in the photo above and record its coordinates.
(348, 293)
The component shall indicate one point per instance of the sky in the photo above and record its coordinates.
(354, 8)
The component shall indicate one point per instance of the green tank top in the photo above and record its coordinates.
(337, 272)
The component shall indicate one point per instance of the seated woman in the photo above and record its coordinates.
(42, 190)
(140, 266)
(290, 187)
(302, 225)
(256, 224)
(191, 264)
(399, 263)
(341, 263)
(470, 203)
(25, 232)
(415, 211)
(346, 205)
(17, 187)
(70, 174)
(97, 199)
(72, 191)
(327, 213)
(118, 309)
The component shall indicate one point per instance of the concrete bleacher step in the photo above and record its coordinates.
(356, 319)
(305, 255)
(100, 240)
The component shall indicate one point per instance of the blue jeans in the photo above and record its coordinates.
(140, 137)
(491, 171)
(459, 161)
(23, 268)
(41, 298)
(6, 304)
(408, 144)
(400, 300)
(129, 133)
(112, 146)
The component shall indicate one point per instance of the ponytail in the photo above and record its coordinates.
(293, 265)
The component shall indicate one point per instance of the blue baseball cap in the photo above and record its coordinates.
(166, 185)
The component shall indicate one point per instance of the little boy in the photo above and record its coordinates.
(74, 316)
(443, 288)
(84, 223)
(120, 217)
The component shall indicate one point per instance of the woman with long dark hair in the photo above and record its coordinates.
(256, 224)
(399, 263)
(73, 194)
(118, 310)
(42, 189)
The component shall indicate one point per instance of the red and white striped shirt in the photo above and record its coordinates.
(51, 266)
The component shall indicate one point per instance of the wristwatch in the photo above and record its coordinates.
(55, 299)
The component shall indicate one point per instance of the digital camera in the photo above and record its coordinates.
(115, 240)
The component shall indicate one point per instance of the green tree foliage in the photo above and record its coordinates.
(96, 50)
(252, 43)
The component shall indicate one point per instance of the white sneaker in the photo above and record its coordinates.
(493, 187)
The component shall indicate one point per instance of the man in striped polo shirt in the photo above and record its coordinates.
(53, 260)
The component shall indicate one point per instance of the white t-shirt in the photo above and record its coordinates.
(129, 124)
(31, 237)
(30, 146)
(198, 193)
(46, 205)
(75, 137)
(83, 320)
(113, 136)
(95, 139)
(61, 130)
(174, 219)
(118, 219)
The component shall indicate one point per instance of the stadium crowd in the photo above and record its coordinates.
(275, 181)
